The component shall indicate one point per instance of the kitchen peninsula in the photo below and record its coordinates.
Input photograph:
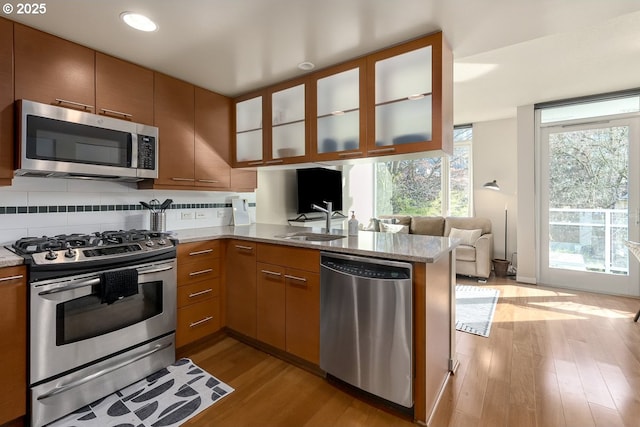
(433, 286)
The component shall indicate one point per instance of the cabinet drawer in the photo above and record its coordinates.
(197, 292)
(199, 270)
(299, 258)
(188, 252)
(197, 321)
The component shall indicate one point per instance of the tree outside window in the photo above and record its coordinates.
(419, 186)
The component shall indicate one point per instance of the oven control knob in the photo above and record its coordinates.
(70, 253)
(162, 242)
(51, 255)
(149, 243)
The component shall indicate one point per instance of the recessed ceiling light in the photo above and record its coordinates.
(138, 21)
(306, 66)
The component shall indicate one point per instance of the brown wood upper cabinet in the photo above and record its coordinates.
(395, 101)
(54, 71)
(6, 102)
(212, 139)
(123, 90)
(272, 126)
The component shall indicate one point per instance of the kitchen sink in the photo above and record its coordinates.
(311, 237)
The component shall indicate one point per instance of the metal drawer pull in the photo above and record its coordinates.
(4, 279)
(299, 279)
(199, 322)
(382, 150)
(182, 179)
(248, 248)
(272, 273)
(77, 104)
(210, 181)
(116, 113)
(73, 384)
(204, 251)
(197, 294)
(353, 153)
(195, 273)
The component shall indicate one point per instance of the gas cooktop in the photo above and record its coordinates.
(71, 248)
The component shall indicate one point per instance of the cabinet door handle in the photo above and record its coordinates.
(210, 181)
(273, 162)
(182, 179)
(197, 294)
(202, 252)
(271, 273)
(5, 279)
(196, 273)
(296, 278)
(382, 150)
(199, 322)
(116, 113)
(247, 248)
(255, 163)
(351, 154)
(76, 104)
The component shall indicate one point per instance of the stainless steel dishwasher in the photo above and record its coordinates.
(366, 327)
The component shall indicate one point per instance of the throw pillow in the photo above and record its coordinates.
(394, 228)
(467, 237)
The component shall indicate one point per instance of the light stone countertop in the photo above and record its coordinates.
(8, 258)
(404, 247)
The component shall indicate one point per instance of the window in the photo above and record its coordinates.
(430, 186)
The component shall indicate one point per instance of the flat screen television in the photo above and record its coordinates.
(316, 185)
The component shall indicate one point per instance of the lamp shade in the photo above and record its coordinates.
(493, 185)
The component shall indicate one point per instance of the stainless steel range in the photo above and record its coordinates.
(102, 315)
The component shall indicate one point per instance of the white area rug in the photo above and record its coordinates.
(475, 307)
(168, 397)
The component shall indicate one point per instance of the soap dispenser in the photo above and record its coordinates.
(353, 225)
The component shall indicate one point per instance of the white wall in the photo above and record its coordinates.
(495, 157)
(206, 208)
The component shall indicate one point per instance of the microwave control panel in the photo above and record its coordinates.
(146, 152)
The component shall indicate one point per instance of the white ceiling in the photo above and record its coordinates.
(507, 52)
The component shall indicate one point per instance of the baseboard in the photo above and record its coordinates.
(528, 280)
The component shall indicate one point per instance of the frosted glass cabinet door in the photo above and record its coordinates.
(288, 130)
(249, 130)
(403, 98)
(338, 112)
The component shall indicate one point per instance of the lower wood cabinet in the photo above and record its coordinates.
(241, 287)
(198, 293)
(288, 299)
(13, 350)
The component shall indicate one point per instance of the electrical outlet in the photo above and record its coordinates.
(220, 214)
(186, 215)
(201, 215)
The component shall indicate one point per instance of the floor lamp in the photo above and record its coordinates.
(504, 264)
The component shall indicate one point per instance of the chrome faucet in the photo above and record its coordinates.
(328, 211)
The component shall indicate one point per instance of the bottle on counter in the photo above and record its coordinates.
(353, 224)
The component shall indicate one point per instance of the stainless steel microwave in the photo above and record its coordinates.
(60, 142)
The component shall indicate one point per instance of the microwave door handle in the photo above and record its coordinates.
(134, 151)
(83, 284)
(76, 383)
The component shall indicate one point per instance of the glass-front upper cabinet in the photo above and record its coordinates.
(288, 124)
(339, 125)
(408, 93)
(248, 147)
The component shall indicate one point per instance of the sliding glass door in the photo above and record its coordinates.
(589, 204)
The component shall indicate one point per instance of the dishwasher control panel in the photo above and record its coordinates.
(368, 270)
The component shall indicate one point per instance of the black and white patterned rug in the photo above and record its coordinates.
(165, 398)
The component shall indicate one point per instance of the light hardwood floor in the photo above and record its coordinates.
(554, 358)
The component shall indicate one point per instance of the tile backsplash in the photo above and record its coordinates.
(50, 206)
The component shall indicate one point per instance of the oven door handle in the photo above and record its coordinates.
(76, 383)
(96, 281)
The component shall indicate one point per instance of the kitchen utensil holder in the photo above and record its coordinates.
(158, 221)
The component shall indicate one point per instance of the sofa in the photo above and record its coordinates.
(474, 253)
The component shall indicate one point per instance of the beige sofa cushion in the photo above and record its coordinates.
(399, 219)
(427, 225)
(467, 237)
(483, 224)
(465, 253)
